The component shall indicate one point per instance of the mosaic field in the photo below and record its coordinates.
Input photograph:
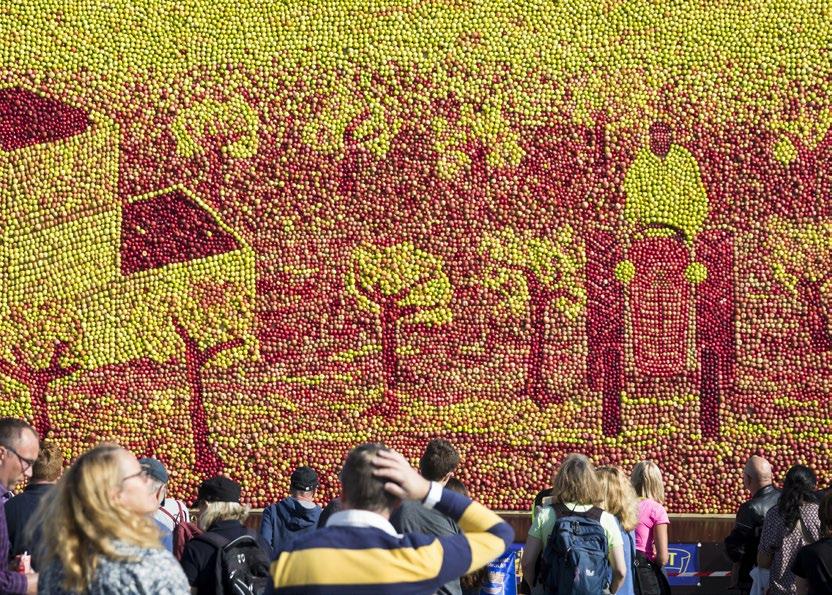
(243, 236)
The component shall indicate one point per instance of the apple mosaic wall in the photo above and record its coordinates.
(243, 236)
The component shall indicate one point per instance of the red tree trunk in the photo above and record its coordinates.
(535, 383)
(709, 399)
(389, 356)
(40, 410)
(817, 321)
(388, 319)
(611, 399)
(207, 461)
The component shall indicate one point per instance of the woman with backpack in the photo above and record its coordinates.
(211, 557)
(791, 524)
(619, 499)
(98, 532)
(574, 503)
(651, 529)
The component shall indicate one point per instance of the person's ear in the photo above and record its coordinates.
(115, 496)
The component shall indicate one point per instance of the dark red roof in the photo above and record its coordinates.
(29, 119)
(169, 228)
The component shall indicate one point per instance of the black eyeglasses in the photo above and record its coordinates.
(143, 474)
(24, 462)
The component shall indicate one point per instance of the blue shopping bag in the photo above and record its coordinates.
(501, 575)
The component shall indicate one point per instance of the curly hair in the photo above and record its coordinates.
(81, 522)
(799, 487)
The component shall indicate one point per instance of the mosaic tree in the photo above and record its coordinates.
(800, 255)
(400, 284)
(534, 274)
(212, 320)
(212, 135)
(804, 146)
(37, 343)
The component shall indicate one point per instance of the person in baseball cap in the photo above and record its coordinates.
(304, 479)
(285, 521)
(221, 517)
(219, 489)
(171, 511)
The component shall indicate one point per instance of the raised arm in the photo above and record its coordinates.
(484, 534)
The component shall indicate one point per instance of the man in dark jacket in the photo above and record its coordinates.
(20, 509)
(741, 545)
(290, 518)
(438, 463)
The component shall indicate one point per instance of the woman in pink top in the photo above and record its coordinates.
(651, 530)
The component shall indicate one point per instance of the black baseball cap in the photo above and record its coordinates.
(219, 489)
(304, 479)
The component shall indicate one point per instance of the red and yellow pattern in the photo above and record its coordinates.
(244, 236)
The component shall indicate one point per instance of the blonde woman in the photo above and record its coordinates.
(577, 490)
(619, 499)
(98, 534)
(651, 529)
(221, 518)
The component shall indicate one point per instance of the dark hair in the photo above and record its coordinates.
(825, 512)
(361, 489)
(49, 463)
(474, 580)
(11, 430)
(458, 487)
(439, 459)
(798, 488)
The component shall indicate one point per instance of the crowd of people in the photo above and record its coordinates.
(108, 525)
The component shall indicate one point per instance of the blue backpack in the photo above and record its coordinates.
(576, 557)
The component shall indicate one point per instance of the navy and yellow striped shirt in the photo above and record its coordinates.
(369, 560)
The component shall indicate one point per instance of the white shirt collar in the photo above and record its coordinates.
(361, 518)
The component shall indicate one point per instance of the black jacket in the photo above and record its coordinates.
(19, 511)
(741, 545)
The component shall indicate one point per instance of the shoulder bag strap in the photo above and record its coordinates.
(173, 518)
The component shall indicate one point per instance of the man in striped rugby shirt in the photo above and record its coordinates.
(359, 551)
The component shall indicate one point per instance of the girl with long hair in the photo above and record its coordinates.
(790, 525)
(619, 499)
(651, 529)
(98, 532)
(576, 488)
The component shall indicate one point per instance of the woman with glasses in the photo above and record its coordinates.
(99, 536)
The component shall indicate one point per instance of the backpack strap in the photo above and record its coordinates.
(179, 513)
(594, 513)
(219, 542)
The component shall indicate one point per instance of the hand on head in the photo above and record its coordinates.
(403, 481)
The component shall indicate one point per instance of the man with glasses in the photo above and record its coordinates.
(19, 447)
